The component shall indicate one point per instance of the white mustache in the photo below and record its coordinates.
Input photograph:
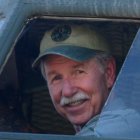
(77, 97)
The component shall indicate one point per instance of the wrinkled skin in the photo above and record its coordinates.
(78, 89)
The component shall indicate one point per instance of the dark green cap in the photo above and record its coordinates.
(76, 42)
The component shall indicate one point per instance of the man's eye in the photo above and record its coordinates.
(56, 78)
(79, 71)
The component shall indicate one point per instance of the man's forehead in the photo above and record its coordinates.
(56, 63)
(58, 59)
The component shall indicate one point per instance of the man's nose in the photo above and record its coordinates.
(69, 88)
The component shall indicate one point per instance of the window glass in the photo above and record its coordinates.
(121, 114)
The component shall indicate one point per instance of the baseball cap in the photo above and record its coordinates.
(76, 42)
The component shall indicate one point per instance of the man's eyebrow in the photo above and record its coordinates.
(80, 65)
(50, 73)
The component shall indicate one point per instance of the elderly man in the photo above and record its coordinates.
(77, 64)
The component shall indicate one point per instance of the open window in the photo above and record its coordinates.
(24, 91)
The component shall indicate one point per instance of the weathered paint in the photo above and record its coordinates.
(14, 13)
(29, 136)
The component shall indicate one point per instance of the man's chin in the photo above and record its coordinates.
(79, 122)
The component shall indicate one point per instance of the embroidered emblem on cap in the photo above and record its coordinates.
(61, 33)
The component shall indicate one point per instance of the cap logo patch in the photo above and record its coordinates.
(61, 33)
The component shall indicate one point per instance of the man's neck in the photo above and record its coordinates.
(77, 128)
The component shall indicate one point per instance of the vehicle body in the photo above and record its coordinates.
(22, 24)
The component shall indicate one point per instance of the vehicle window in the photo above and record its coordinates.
(24, 92)
(122, 107)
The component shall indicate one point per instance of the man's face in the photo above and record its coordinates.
(78, 90)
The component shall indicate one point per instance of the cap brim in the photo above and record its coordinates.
(75, 53)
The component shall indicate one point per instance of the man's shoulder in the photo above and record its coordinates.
(88, 128)
(113, 123)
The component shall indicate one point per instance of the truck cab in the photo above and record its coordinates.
(26, 108)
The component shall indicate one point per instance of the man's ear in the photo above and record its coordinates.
(110, 72)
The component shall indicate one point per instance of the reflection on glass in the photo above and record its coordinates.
(121, 114)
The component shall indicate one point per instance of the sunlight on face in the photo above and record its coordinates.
(78, 89)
